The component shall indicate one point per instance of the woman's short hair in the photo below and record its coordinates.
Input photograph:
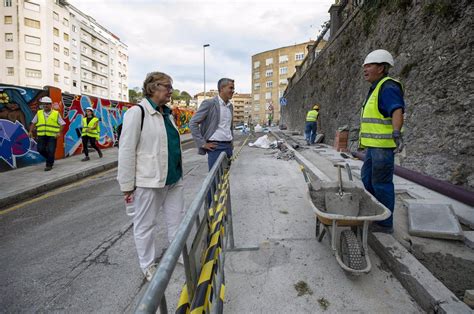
(153, 80)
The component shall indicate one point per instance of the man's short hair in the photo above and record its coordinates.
(153, 80)
(223, 82)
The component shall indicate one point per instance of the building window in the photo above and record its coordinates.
(8, 36)
(74, 69)
(283, 81)
(74, 28)
(7, 3)
(299, 56)
(55, 32)
(268, 73)
(268, 95)
(56, 63)
(32, 40)
(85, 87)
(280, 93)
(65, 22)
(256, 86)
(66, 66)
(74, 56)
(8, 54)
(33, 73)
(32, 56)
(269, 61)
(10, 71)
(256, 64)
(283, 70)
(31, 6)
(66, 37)
(66, 52)
(74, 83)
(56, 77)
(74, 43)
(55, 16)
(8, 19)
(32, 23)
(256, 97)
(256, 75)
(269, 84)
(66, 80)
(283, 58)
(56, 47)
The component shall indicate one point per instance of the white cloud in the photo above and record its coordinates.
(168, 35)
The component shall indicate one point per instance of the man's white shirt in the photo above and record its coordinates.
(223, 132)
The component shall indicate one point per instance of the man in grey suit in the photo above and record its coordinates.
(211, 125)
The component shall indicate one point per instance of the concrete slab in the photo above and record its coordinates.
(433, 221)
(469, 239)
(469, 298)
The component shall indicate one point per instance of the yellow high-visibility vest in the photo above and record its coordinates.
(88, 130)
(50, 126)
(375, 129)
(312, 116)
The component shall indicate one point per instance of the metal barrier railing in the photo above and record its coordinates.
(216, 184)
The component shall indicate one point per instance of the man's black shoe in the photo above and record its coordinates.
(48, 168)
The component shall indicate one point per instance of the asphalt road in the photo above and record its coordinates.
(72, 250)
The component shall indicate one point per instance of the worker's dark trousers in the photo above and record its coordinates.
(310, 131)
(377, 176)
(47, 147)
(93, 143)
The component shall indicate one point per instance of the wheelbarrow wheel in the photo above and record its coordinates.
(351, 251)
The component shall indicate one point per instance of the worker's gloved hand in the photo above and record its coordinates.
(398, 138)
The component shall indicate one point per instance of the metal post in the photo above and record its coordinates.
(204, 59)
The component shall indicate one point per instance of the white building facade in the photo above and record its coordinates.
(50, 42)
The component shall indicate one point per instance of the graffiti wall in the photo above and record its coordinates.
(18, 106)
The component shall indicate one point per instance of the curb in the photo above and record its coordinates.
(28, 193)
(420, 283)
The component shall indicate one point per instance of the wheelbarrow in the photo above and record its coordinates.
(344, 211)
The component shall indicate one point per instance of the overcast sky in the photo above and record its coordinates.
(168, 35)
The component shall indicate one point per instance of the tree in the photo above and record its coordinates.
(135, 95)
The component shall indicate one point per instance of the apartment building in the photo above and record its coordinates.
(50, 42)
(242, 104)
(270, 73)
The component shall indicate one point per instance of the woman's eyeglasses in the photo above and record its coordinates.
(169, 87)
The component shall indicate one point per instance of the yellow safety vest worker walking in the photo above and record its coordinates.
(89, 129)
(50, 126)
(311, 126)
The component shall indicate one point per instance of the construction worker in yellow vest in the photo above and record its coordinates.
(380, 132)
(48, 125)
(90, 133)
(311, 126)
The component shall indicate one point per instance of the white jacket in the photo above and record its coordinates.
(143, 155)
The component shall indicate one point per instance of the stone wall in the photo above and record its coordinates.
(432, 44)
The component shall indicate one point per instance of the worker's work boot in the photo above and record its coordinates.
(85, 158)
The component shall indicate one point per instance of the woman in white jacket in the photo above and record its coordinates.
(150, 167)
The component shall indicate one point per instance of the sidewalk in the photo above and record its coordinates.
(20, 184)
(291, 272)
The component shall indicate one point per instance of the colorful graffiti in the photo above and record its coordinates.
(110, 114)
(182, 117)
(18, 106)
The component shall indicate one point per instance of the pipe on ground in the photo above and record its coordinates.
(453, 191)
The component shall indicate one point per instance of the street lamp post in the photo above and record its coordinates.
(204, 58)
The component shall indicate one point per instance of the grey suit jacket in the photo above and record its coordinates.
(205, 121)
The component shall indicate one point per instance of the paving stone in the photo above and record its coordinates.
(469, 298)
(433, 221)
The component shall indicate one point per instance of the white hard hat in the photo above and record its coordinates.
(46, 100)
(379, 56)
(90, 108)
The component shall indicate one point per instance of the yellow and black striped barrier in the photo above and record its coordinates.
(205, 291)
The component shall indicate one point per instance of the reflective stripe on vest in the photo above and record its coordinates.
(50, 126)
(312, 116)
(375, 129)
(88, 130)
